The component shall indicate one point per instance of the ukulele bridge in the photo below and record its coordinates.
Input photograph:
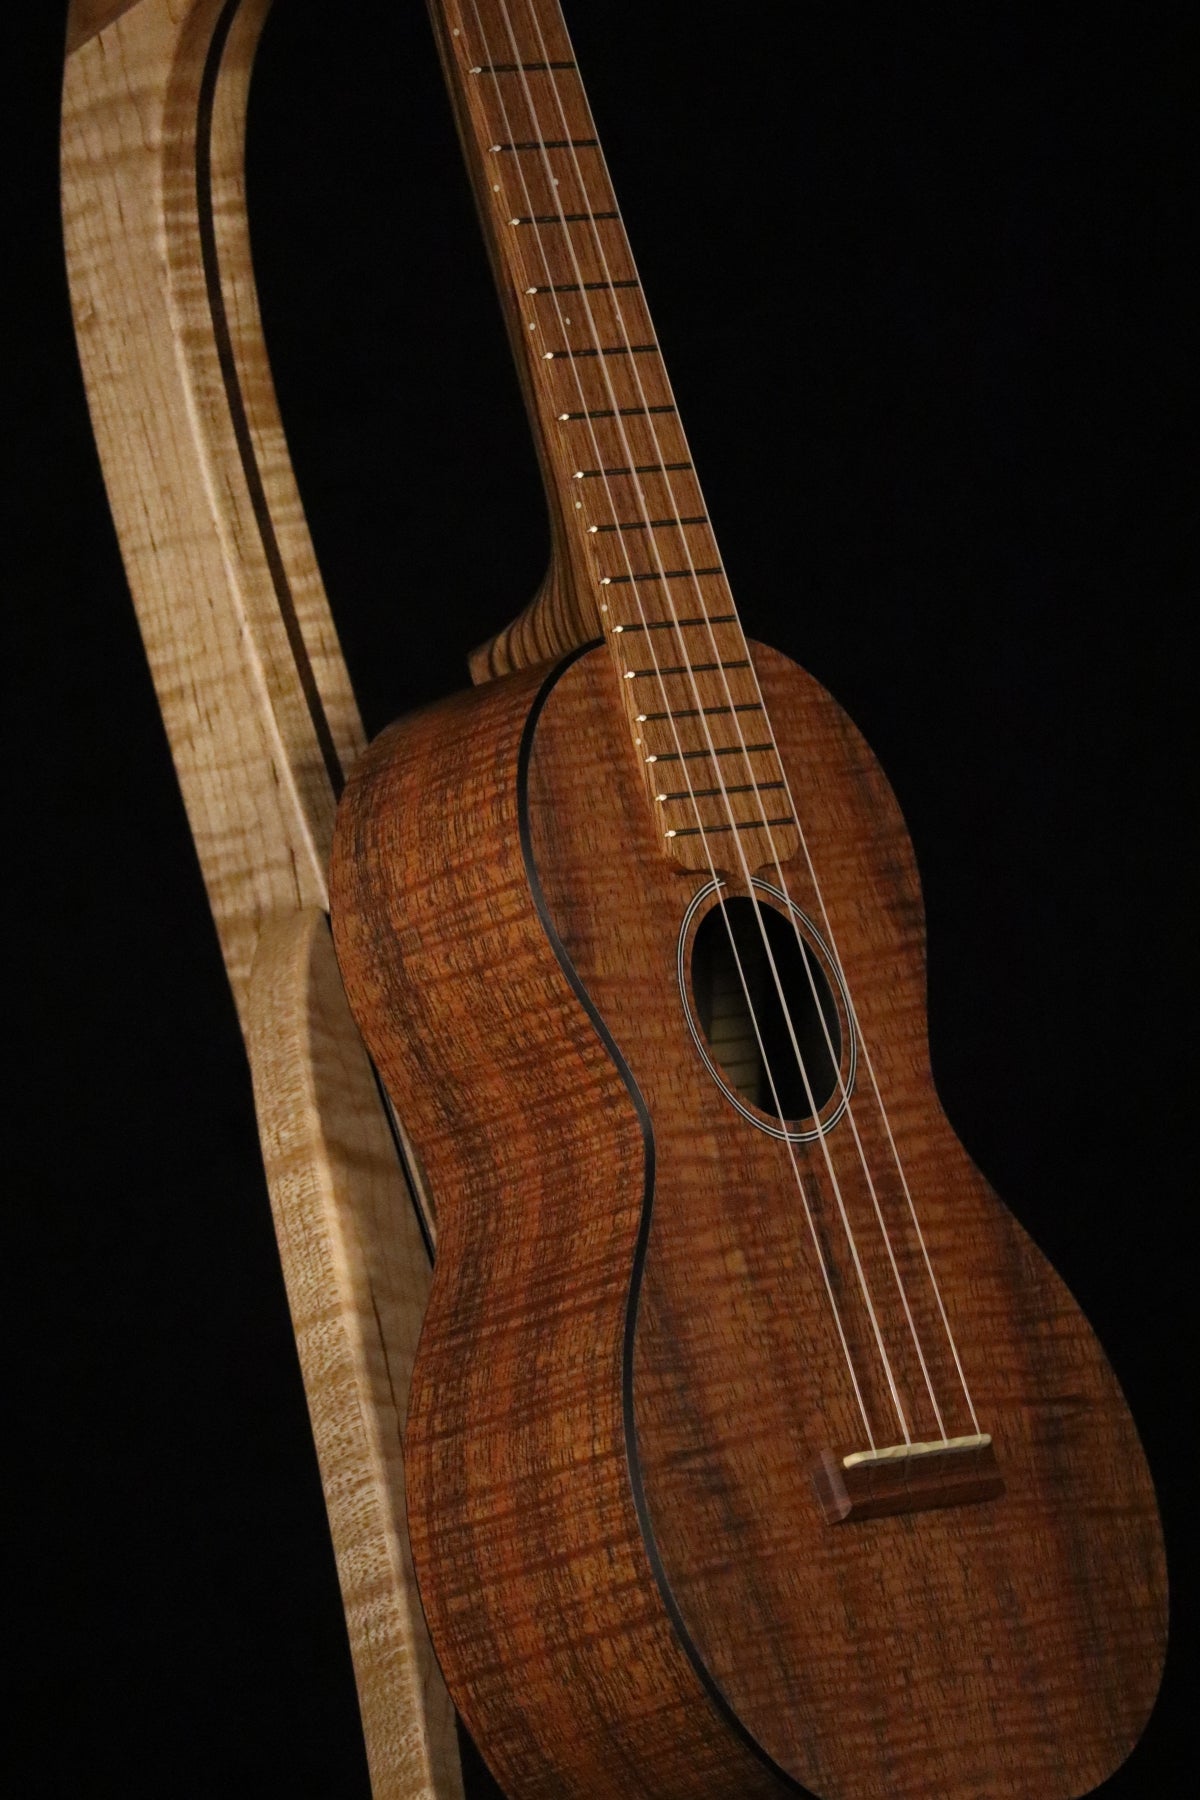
(872, 1484)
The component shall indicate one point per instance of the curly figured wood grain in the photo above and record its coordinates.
(87, 18)
(357, 1278)
(261, 721)
(1000, 1649)
(552, 624)
(533, 1570)
(245, 660)
(635, 556)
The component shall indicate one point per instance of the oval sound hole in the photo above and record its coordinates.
(726, 1022)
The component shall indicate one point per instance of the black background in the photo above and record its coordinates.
(919, 278)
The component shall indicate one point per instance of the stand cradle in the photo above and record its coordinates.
(262, 725)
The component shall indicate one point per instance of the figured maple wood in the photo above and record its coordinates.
(89, 17)
(631, 1584)
(229, 599)
(357, 1278)
(261, 721)
(635, 556)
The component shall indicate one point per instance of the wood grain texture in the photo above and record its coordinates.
(261, 720)
(88, 18)
(623, 1561)
(635, 554)
(229, 599)
(870, 1490)
(357, 1278)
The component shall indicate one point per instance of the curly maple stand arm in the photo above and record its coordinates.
(237, 629)
(262, 723)
(357, 1276)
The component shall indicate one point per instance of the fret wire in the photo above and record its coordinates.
(700, 830)
(738, 825)
(651, 524)
(748, 787)
(677, 575)
(604, 470)
(691, 712)
(878, 1097)
(721, 750)
(766, 824)
(552, 144)
(688, 668)
(579, 218)
(582, 287)
(677, 624)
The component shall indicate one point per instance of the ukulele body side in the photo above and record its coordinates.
(630, 1361)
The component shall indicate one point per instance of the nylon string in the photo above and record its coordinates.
(735, 835)
(813, 878)
(675, 734)
(864, 1285)
(654, 548)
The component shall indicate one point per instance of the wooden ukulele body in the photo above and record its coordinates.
(629, 1364)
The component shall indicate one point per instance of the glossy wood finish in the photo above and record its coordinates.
(631, 1585)
(257, 705)
(230, 602)
(853, 1488)
(357, 1277)
(635, 555)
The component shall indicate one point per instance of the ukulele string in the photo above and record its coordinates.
(717, 884)
(766, 825)
(732, 823)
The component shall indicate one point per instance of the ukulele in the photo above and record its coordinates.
(752, 1446)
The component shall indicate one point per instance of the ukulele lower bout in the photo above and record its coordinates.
(659, 1548)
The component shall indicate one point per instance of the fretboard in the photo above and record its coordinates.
(629, 516)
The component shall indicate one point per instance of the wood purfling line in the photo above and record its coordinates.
(237, 409)
(768, 825)
(699, 830)
(637, 1481)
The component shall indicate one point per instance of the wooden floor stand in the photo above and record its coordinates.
(356, 1272)
(263, 726)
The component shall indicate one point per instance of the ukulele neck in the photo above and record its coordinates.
(636, 560)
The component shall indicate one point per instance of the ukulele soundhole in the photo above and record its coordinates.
(767, 1009)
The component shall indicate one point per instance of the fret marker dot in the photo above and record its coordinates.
(532, 326)
(618, 628)
(651, 759)
(547, 356)
(579, 506)
(567, 416)
(496, 190)
(606, 581)
(578, 476)
(668, 834)
(641, 720)
(661, 798)
(629, 675)
(592, 528)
